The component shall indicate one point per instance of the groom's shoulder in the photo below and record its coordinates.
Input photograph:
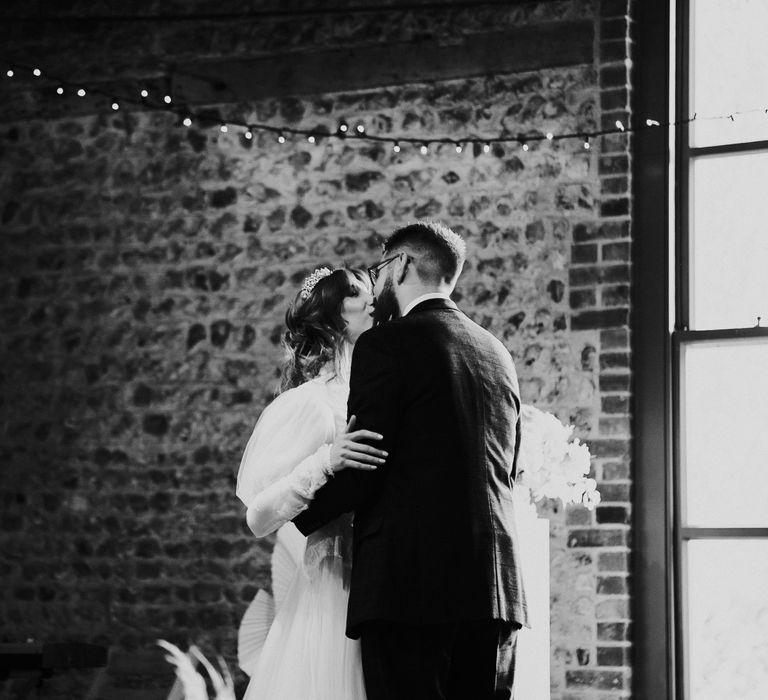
(386, 336)
(382, 333)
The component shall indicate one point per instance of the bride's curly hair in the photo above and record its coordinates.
(315, 327)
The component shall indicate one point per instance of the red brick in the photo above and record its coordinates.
(601, 680)
(612, 29)
(612, 561)
(612, 585)
(612, 656)
(613, 165)
(582, 254)
(580, 298)
(602, 274)
(613, 631)
(599, 319)
(614, 185)
(618, 515)
(615, 338)
(597, 537)
(613, 471)
(612, 492)
(614, 360)
(614, 76)
(614, 382)
(615, 404)
(613, 252)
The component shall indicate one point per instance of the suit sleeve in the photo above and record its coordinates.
(373, 399)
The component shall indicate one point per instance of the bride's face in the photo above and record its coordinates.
(356, 310)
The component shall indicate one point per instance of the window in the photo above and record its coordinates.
(720, 353)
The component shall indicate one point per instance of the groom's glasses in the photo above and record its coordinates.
(373, 271)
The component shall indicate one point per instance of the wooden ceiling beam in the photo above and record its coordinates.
(312, 73)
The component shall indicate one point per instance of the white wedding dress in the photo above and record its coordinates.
(305, 654)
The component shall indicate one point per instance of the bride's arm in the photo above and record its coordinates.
(286, 461)
(285, 498)
(373, 399)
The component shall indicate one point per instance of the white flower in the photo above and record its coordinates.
(550, 464)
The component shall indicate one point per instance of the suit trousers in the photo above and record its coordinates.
(453, 661)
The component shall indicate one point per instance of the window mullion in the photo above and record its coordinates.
(742, 147)
(689, 336)
(711, 533)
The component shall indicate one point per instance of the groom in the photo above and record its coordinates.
(436, 592)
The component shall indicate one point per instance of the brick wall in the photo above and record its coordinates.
(145, 272)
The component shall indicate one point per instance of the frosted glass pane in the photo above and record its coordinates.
(724, 439)
(729, 70)
(729, 241)
(728, 619)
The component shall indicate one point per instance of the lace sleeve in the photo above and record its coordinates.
(285, 498)
(286, 459)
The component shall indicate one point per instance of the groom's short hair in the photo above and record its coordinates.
(441, 252)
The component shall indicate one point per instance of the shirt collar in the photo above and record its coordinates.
(424, 297)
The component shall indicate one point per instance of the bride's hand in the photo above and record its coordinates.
(348, 450)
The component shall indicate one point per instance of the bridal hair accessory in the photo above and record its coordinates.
(312, 280)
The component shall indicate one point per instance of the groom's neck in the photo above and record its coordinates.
(412, 292)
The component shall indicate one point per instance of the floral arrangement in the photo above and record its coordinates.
(551, 464)
(193, 684)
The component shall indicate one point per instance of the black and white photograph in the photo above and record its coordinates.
(383, 350)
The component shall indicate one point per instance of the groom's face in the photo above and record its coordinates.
(385, 306)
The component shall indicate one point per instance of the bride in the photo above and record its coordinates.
(300, 440)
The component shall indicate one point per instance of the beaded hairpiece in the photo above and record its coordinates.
(312, 280)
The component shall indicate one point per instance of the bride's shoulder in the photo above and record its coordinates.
(306, 398)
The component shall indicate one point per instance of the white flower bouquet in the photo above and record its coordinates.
(551, 464)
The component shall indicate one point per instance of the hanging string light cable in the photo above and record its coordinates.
(163, 100)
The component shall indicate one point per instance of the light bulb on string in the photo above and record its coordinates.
(10, 72)
(37, 72)
(424, 149)
(248, 134)
(115, 106)
(343, 127)
(619, 125)
(59, 90)
(187, 121)
(280, 138)
(587, 145)
(311, 138)
(396, 147)
(224, 128)
(81, 92)
(360, 128)
(550, 136)
(459, 148)
(167, 99)
(144, 94)
(486, 147)
(525, 145)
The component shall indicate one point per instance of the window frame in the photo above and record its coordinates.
(659, 536)
(683, 336)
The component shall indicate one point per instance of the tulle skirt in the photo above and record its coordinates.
(306, 655)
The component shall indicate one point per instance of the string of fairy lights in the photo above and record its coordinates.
(163, 100)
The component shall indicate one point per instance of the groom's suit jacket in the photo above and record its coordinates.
(434, 533)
